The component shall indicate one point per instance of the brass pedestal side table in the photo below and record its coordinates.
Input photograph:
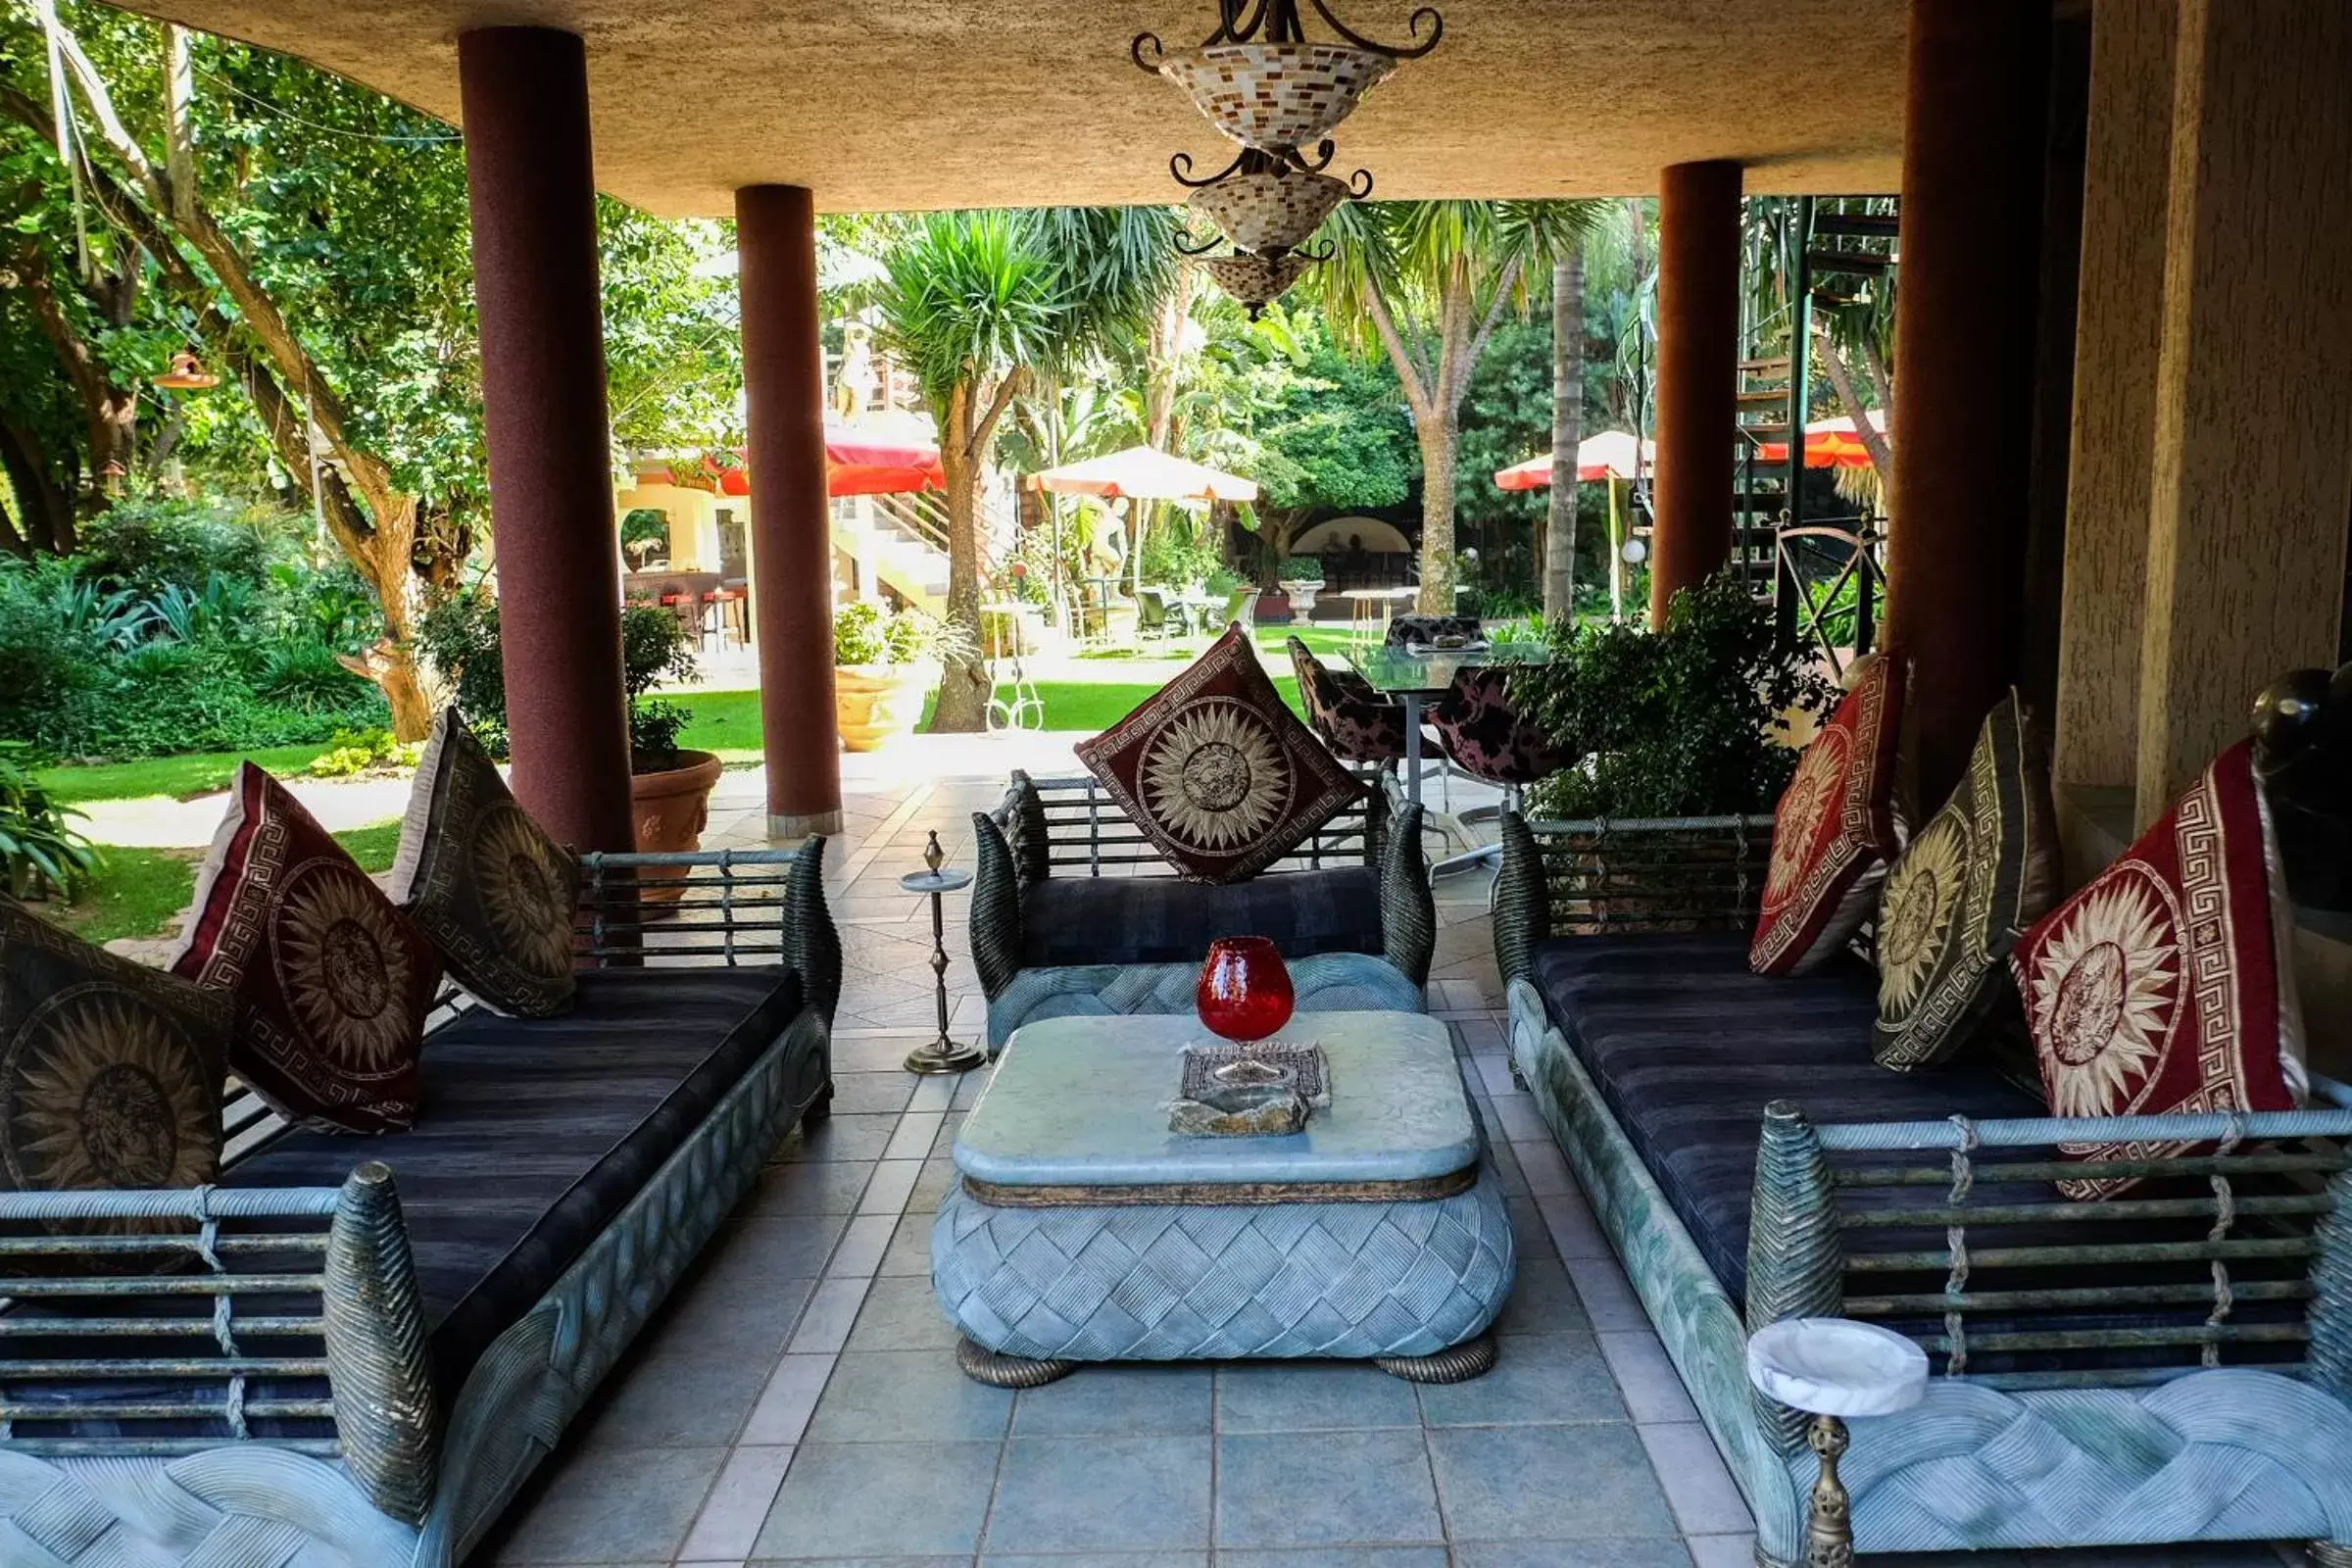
(1832, 1368)
(941, 1055)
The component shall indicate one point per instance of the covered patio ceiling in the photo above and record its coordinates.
(966, 103)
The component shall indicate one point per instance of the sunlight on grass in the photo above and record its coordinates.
(179, 778)
(139, 891)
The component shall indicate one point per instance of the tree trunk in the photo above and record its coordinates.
(1567, 430)
(1841, 377)
(108, 413)
(962, 708)
(1440, 434)
(48, 522)
(1163, 353)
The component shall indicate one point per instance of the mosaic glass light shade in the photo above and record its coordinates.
(1276, 96)
(1255, 281)
(1267, 213)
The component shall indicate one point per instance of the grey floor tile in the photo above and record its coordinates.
(694, 1378)
(830, 1186)
(1117, 1401)
(612, 1506)
(1546, 1168)
(1539, 1378)
(903, 1397)
(1337, 1557)
(1529, 1233)
(843, 1136)
(931, 1187)
(1095, 1559)
(781, 1414)
(730, 1524)
(1705, 1499)
(1548, 1482)
(1541, 1302)
(893, 1180)
(1321, 1489)
(1101, 1494)
(1608, 1296)
(862, 1247)
(747, 1253)
(913, 1139)
(959, 1560)
(832, 1309)
(910, 1247)
(1653, 1390)
(901, 1313)
(862, 1093)
(1606, 1552)
(901, 1499)
(1722, 1551)
(1311, 1397)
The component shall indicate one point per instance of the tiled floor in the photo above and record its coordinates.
(797, 1403)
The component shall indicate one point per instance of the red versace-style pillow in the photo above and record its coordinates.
(2163, 987)
(331, 983)
(1216, 771)
(1835, 831)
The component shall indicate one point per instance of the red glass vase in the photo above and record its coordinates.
(1245, 991)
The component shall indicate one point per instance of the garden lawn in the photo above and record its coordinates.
(1319, 639)
(139, 891)
(1091, 706)
(181, 778)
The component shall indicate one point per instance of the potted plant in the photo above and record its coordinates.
(884, 663)
(1300, 579)
(670, 786)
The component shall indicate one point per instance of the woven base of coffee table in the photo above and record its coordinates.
(1226, 1282)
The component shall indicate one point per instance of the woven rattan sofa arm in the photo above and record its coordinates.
(376, 1350)
(1022, 817)
(996, 909)
(1795, 1260)
(1408, 913)
(811, 942)
(1522, 907)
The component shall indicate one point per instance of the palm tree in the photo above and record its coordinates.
(980, 307)
(1427, 281)
(1567, 428)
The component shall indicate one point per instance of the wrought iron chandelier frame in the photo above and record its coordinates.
(1279, 21)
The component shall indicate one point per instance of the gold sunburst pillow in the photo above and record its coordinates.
(2164, 985)
(485, 881)
(330, 982)
(110, 1071)
(1218, 773)
(1835, 831)
(1961, 894)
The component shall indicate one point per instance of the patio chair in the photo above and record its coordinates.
(1154, 616)
(1423, 631)
(1347, 714)
(1487, 738)
(1241, 605)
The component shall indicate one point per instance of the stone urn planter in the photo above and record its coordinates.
(670, 807)
(1302, 596)
(874, 704)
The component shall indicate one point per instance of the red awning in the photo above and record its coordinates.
(862, 459)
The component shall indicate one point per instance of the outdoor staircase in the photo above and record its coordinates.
(903, 541)
(1828, 249)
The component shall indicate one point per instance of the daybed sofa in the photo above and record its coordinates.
(351, 1352)
(1062, 923)
(2173, 1364)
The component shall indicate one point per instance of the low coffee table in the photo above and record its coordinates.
(1081, 1229)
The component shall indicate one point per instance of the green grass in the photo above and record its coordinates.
(725, 722)
(180, 778)
(1090, 706)
(1276, 640)
(138, 891)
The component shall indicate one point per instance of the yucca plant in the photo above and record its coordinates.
(40, 852)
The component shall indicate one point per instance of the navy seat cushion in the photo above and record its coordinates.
(1688, 1045)
(1091, 920)
(532, 1134)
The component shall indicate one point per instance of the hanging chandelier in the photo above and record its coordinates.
(1256, 281)
(1261, 81)
(1265, 205)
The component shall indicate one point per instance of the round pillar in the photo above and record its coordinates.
(1975, 122)
(792, 529)
(1698, 374)
(531, 188)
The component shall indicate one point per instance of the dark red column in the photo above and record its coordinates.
(792, 547)
(1698, 376)
(1974, 122)
(532, 192)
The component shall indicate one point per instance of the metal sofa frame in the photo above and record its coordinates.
(1073, 826)
(2086, 1448)
(399, 1481)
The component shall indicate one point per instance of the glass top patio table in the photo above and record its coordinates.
(1415, 675)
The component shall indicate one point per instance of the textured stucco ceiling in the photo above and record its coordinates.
(899, 104)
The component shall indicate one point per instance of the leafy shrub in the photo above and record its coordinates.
(306, 677)
(149, 545)
(366, 751)
(460, 636)
(1680, 722)
(39, 851)
(654, 646)
(865, 633)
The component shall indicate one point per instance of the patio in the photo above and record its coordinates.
(798, 1403)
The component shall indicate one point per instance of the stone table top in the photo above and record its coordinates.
(1084, 1102)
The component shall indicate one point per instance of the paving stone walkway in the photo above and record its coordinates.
(797, 1404)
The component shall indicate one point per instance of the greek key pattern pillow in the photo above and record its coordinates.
(2164, 985)
(1215, 769)
(1961, 894)
(330, 982)
(1835, 831)
(484, 881)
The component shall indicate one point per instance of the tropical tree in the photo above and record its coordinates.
(982, 307)
(310, 237)
(1558, 555)
(1428, 282)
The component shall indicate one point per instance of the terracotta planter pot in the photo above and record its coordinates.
(874, 704)
(670, 809)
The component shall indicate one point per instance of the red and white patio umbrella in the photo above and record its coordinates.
(1829, 443)
(1610, 455)
(873, 457)
(1144, 473)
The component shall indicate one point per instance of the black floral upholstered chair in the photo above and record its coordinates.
(1489, 740)
(1357, 723)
